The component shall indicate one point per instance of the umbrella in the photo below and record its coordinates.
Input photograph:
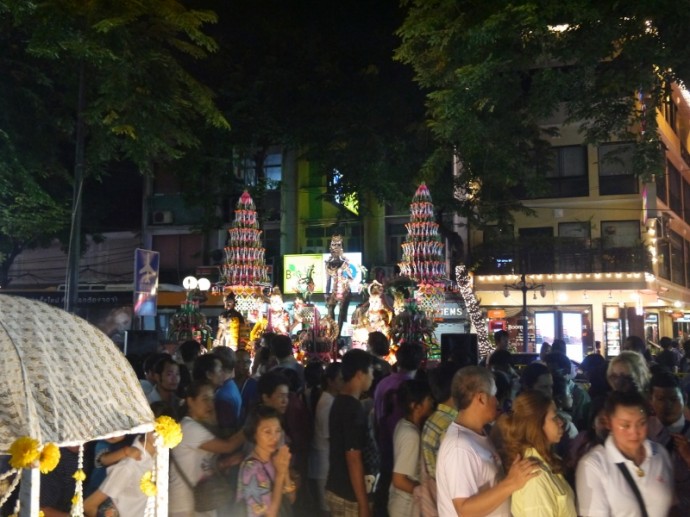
(63, 380)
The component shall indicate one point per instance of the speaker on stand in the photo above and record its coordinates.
(462, 349)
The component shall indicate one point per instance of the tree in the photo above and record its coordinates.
(319, 77)
(117, 83)
(494, 71)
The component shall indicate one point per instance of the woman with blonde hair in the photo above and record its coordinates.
(530, 431)
(628, 371)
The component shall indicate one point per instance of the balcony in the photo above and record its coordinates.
(557, 255)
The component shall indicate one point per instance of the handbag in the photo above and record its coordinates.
(210, 493)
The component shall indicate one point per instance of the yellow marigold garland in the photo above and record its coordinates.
(169, 431)
(49, 458)
(27, 453)
(147, 485)
(24, 452)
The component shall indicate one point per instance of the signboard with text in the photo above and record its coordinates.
(297, 268)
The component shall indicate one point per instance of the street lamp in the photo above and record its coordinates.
(196, 288)
(524, 286)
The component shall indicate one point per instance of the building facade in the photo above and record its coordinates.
(605, 256)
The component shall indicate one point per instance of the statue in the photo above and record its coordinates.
(339, 278)
(229, 324)
(374, 315)
(278, 317)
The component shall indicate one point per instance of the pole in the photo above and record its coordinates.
(74, 250)
(525, 329)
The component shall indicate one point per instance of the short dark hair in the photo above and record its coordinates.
(150, 362)
(412, 391)
(630, 398)
(203, 365)
(531, 373)
(227, 357)
(269, 382)
(591, 362)
(500, 357)
(409, 356)
(162, 361)
(664, 379)
(330, 374)
(499, 334)
(313, 373)
(255, 417)
(355, 361)
(557, 361)
(190, 350)
(195, 387)
(558, 345)
(441, 379)
(379, 344)
(665, 342)
(281, 346)
(636, 344)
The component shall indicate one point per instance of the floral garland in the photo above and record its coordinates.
(168, 434)
(27, 453)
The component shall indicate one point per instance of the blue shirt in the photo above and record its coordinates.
(228, 406)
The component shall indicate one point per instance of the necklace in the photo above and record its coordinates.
(638, 468)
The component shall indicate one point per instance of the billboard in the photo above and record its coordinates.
(297, 268)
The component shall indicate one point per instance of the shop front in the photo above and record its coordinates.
(545, 323)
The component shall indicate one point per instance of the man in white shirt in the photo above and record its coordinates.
(475, 490)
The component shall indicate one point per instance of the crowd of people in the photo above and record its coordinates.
(358, 437)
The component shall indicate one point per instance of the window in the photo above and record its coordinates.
(620, 234)
(621, 249)
(537, 250)
(616, 169)
(396, 233)
(497, 251)
(661, 192)
(573, 250)
(670, 112)
(272, 170)
(675, 192)
(578, 230)
(336, 188)
(568, 172)
(677, 260)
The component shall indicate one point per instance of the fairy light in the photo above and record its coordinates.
(473, 309)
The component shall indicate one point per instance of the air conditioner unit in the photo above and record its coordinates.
(162, 217)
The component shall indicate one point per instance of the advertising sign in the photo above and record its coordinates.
(146, 263)
(297, 269)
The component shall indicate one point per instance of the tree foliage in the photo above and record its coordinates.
(319, 77)
(142, 105)
(494, 71)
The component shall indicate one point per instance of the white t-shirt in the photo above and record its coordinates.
(196, 464)
(467, 464)
(122, 482)
(318, 456)
(407, 448)
(602, 490)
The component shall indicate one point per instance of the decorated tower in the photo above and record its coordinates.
(245, 272)
(423, 258)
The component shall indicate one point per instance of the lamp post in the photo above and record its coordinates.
(524, 286)
(196, 288)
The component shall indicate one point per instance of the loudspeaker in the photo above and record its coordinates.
(460, 348)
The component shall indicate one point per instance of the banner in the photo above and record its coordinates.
(146, 267)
